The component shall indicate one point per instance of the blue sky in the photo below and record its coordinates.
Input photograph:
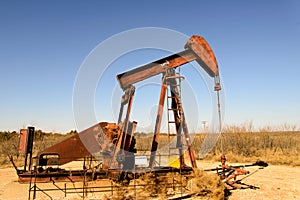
(43, 45)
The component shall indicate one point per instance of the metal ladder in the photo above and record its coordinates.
(174, 113)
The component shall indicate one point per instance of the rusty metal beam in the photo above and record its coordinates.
(130, 92)
(125, 100)
(159, 66)
(195, 49)
(158, 122)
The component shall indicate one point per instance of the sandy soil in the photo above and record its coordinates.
(274, 182)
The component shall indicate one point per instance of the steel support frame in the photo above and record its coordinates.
(181, 125)
(179, 121)
(127, 98)
(158, 121)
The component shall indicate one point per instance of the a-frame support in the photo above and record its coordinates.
(169, 81)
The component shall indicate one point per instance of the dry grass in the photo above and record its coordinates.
(161, 187)
(272, 147)
(207, 185)
(149, 186)
(121, 193)
(242, 144)
(9, 145)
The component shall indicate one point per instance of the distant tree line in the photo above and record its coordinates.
(38, 134)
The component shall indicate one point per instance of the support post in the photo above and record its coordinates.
(29, 147)
(34, 191)
(120, 146)
(126, 121)
(158, 122)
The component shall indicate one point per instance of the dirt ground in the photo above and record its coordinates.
(274, 182)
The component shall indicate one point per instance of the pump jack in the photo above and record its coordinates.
(116, 142)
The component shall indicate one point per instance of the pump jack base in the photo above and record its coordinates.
(63, 175)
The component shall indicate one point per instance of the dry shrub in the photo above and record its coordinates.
(275, 145)
(207, 185)
(244, 144)
(120, 193)
(202, 184)
(154, 185)
(161, 186)
(9, 145)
